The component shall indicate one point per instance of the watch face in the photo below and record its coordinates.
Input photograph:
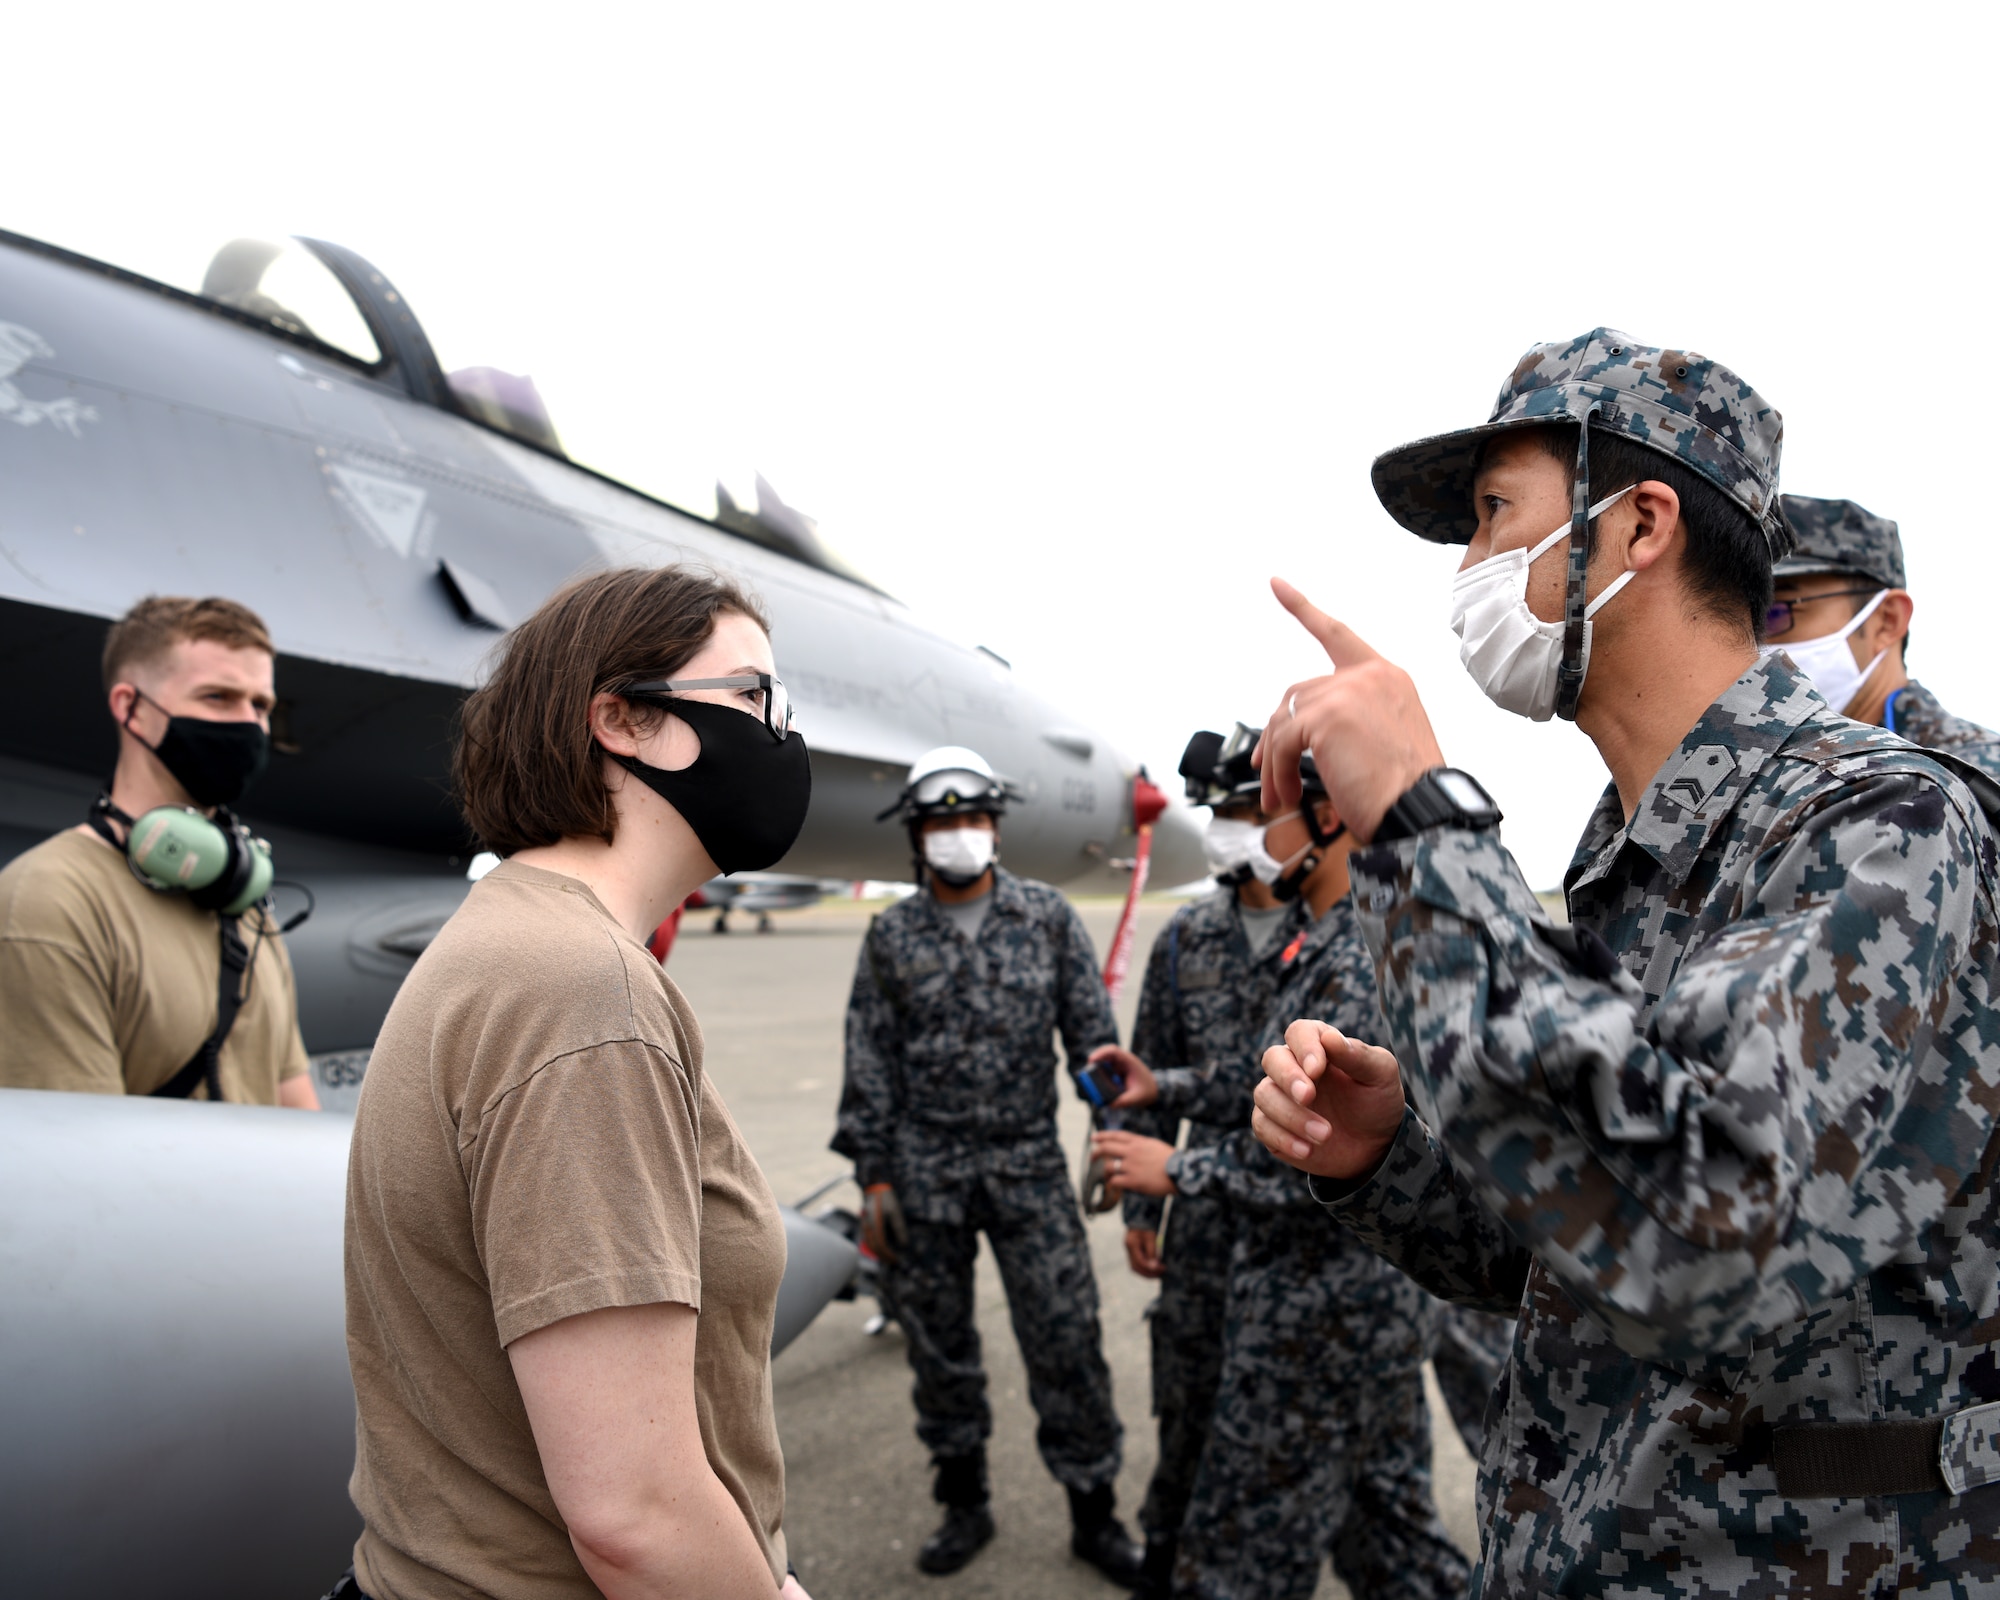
(1460, 789)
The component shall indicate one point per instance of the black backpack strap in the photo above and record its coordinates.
(201, 1067)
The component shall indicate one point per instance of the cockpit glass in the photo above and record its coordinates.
(270, 277)
(567, 408)
(291, 288)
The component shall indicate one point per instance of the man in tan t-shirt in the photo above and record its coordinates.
(109, 985)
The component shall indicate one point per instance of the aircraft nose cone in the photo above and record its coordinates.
(1177, 856)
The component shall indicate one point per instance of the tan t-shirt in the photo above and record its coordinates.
(109, 987)
(536, 1139)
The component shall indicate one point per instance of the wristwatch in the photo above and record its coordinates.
(1443, 797)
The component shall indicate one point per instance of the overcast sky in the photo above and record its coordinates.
(1072, 325)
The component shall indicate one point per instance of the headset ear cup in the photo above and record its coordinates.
(237, 874)
(173, 847)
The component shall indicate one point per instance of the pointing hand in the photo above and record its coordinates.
(1363, 723)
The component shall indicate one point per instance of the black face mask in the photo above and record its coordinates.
(745, 795)
(214, 761)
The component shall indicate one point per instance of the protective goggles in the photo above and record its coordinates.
(955, 787)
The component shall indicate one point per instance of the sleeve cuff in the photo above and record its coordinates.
(1378, 1190)
(1191, 1170)
(1467, 872)
(642, 1286)
(1177, 1084)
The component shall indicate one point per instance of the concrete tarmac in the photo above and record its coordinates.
(858, 1500)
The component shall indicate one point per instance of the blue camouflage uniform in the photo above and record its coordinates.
(1205, 992)
(1839, 536)
(1915, 714)
(1468, 1354)
(950, 1095)
(1728, 1141)
(1321, 1442)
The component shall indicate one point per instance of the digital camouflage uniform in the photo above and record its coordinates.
(1733, 1135)
(1468, 1354)
(1321, 1439)
(1840, 536)
(1727, 1139)
(1915, 714)
(1205, 993)
(950, 1095)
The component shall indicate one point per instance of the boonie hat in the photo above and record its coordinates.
(1674, 401)
(1840, 536)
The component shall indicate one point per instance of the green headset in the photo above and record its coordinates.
(220, 864)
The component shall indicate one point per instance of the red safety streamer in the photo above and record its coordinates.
(1148, 804)
(662, 941)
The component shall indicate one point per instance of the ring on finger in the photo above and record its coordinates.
(1292, 705)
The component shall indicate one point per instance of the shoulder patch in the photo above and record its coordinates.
(1701, 773)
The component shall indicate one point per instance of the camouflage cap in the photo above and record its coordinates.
(1840, 536)
(1674, 401)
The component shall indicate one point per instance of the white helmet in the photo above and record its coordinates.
(949, 780)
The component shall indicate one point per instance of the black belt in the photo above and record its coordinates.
(1846, 1460)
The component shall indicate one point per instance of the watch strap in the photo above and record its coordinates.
(1427, 804)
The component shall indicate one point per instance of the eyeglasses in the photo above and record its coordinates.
(775, 702)
(1778, 619)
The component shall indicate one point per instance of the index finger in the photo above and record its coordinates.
(1343, 646)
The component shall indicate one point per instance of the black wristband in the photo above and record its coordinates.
(1442, 797)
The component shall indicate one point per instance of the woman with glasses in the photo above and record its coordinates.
(562, 1261)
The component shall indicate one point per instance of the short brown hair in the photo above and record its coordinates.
(160, 621)
(527, 769)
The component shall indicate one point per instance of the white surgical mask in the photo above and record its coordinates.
(1511, 653)
(1266, 867)
(1227, 844)
(1830, 663)
(959, 855)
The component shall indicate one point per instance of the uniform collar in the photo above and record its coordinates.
(1915, 704)
(1305, 940)
(1213, 915)
(1290, 927)
(1702, 781)
(1005, 898)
